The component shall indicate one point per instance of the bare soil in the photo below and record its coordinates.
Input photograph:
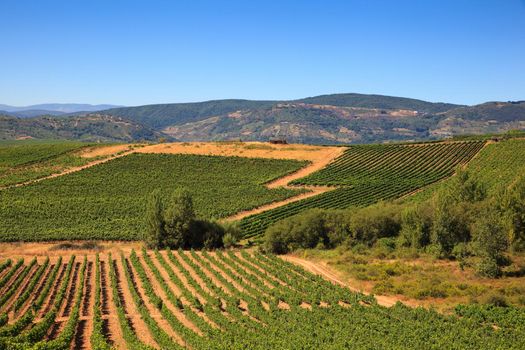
(326, 272)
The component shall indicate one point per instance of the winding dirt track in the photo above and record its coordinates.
(324, 271)
(318, 156)
(100, 152)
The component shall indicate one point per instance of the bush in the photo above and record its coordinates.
(488, 267)
(369, 224)
(495, 300)
(232, 234)
(305, 230)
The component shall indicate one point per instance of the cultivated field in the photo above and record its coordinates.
(101, 195)
(364, 175)
(218, 300)
(107, 201)
(87, 295)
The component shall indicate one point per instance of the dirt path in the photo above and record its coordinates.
(138, 324)
(314, 191)
(84, 327)
(72, 170)
(324, 271)
(37, 291)
(153, 311)
(316, 164)
(318, 156)
(109, 311)
(161, 293)
(21, 288)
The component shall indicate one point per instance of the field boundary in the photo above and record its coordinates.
(71, 170)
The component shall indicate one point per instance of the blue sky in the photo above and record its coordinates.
(141, 52)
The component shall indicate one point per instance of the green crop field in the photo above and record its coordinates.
(496, 165)
(107, 201)
(223, 300)
(367, 174)
(22, 161)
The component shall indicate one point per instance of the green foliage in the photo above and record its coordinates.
(179, 217)
(154, 232)
(368, 174)
(490, 242)
(175, 226)
(449, 224)
(416, 222)
(511, 206)
(241, 293)
(23, 161)
(232, 234)
(326, 229)
(369, 224)
(108, 201)
(305, 230)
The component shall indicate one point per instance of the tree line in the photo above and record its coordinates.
(458, 222)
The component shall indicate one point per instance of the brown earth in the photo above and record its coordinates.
(324, 271)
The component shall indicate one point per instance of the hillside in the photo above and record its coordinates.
(162, 115)
(326, 119)
(93, 128)
(378, 102)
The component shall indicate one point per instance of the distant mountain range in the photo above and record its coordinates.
(52, 109)
(326, 119)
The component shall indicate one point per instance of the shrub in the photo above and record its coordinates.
(488, 267)
(495, 299)
(369, 224)
(305, 230)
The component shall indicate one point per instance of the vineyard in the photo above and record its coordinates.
(24, 161)
(498, 164)
(107, 201)
(219, 300)
(364, 175)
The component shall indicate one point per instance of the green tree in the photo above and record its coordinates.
(154, 234)
(510, 202)
(416, 223)
(449, 223)
(178, 217)
(490, 243)
(465, 188)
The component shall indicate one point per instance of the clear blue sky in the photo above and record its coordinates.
(141, 52)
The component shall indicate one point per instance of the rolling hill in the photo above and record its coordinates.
(326, 119)
(93, 128)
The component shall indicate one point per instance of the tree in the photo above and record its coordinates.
(464, 188)
(490, 243)
(154, 234)
(179, 217)
(175, 225)
(510, 203)
(415, 227)
(450, 223)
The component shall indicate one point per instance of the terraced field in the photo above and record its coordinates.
(364, 175)
(218, 300)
